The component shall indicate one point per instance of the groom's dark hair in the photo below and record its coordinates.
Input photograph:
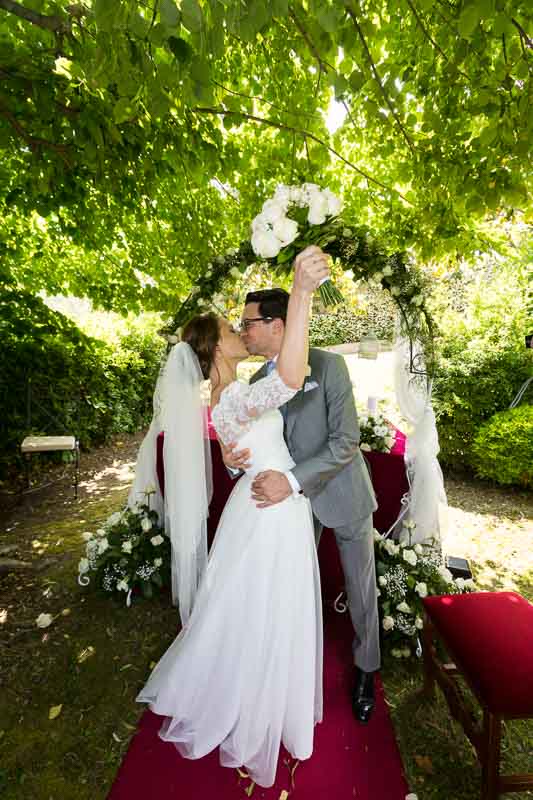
(272, 302)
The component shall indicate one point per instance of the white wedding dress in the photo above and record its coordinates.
(245, 674)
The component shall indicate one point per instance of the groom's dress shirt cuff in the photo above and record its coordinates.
(234, 470)
(295, 486)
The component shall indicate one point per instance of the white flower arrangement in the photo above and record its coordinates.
(376, 433)
(129, 554)
(405, 575)
(296, 216)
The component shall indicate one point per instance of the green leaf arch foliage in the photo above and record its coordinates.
(352, 248)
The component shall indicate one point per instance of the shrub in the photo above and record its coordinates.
(344, 325)
(476, 380)
(78, 383)
(503, 447)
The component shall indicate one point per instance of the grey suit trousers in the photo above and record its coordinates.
(356, 549)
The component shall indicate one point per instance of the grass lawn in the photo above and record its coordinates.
(97, 653)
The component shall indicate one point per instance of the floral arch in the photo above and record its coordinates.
(358, 250)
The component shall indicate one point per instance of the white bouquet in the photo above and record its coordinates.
(295, 217)
(376, 434)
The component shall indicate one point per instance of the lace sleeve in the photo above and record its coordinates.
(241, 403)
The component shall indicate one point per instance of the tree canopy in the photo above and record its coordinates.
(139, 138)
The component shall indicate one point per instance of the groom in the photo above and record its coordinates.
(322, 435)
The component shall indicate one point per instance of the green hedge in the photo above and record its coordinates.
(88, 387)
(476, 380)
(503, 447)
(326, 330)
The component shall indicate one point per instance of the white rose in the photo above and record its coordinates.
(334, 203)
(404, 607)
(127, 546)
(114, 518)
(273, 210)
(410, 524)
(265, 244)
(419, 623)
(259, 224)
(83, 566)
(406, 652)
(365, 447)
(146, 524)
(103, 544)
(395, 291)
(157, 540)
(286, 230)
(232, 251)
(87, 537)
(363, 420)
(150, 489)
(382, 580)
(411, 557)
(421, 589)
(377, 535)
(445, 574)
(235, 273)
(297, 195)
(318, 209)
(101, 532)
(158, 562)
(389, 441)
(392, 548)
(460, 583)
(396, 653)
(411, 796)
(388, 623)
(418, 549)
(387, 270)
(283, 194)
(44, 620)
(123, 585)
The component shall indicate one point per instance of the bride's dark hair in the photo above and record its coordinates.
(202, 334)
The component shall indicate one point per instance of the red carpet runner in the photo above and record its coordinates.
(349, 762)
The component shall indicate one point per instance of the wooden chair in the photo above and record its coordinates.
(489, 637)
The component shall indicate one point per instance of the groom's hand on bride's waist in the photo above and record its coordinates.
(270, 487)
(235, 459)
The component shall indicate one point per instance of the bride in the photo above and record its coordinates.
(245, 672)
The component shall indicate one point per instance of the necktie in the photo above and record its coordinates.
(270, 365)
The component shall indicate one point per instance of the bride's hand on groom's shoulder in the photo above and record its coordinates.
(234, 459)
(311, 268)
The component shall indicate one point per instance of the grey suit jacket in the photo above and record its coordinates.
(322, 434)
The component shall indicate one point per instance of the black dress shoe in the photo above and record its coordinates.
(363, 699)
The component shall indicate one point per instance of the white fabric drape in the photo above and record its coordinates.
(181, 413)
(427, 495)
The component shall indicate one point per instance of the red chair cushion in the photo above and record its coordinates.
(491, 636)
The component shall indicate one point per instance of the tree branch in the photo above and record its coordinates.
(280, 126)
(428, 36)
(262, 100)
(378, 80)
(322, 65)
(51, 23)
(523, 35)
(33, 141)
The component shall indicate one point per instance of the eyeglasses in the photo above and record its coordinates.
(245, 324)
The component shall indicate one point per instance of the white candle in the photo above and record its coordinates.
(372, 406)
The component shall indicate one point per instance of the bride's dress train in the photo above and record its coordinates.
(245, 674)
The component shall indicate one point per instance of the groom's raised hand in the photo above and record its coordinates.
(270, 487)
